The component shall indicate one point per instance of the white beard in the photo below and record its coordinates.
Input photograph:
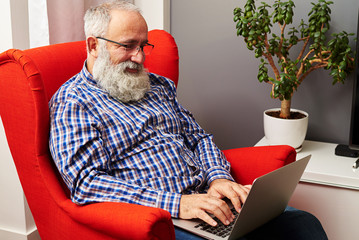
(124, 86)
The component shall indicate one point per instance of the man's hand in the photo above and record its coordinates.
(235, 192)
(199, 205)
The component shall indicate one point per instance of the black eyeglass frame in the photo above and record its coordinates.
(126, 45)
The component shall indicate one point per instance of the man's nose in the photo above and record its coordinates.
(138, 56)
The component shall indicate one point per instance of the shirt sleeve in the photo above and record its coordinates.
(208, 155)
(81, 157)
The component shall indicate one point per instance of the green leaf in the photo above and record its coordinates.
(248, 8)
(239, 32)
(342, 65)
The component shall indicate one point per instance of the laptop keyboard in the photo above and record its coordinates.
(220, 230)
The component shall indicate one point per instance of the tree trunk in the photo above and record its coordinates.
(285, 108)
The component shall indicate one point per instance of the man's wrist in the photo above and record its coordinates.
(169, 202)
(218, 173)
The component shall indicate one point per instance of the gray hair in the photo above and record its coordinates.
(98, 18)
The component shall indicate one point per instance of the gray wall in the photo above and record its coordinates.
(218, 81)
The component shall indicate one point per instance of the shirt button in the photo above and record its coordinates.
(193, 168)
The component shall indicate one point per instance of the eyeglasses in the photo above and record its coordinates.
(132, 48)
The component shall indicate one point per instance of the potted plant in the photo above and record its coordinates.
(292, 52)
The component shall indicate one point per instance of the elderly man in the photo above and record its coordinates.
(119, 134)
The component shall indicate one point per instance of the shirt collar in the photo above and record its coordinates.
(87, 74)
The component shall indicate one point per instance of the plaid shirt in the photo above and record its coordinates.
(149, 152)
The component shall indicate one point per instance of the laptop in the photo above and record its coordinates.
(267, 199)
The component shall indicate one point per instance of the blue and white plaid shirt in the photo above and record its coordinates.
(149, 152)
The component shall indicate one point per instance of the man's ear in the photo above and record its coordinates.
(92, 46)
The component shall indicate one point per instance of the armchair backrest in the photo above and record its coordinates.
(28, 79)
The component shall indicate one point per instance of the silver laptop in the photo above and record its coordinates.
(267, 199)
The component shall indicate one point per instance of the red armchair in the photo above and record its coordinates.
(28, 79)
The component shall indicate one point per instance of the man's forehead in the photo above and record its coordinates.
(127, 26)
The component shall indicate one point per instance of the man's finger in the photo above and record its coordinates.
(238, 195)
(248, 187)
(221, 210)
(206, 218)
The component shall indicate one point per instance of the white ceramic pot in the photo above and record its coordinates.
(290, 132)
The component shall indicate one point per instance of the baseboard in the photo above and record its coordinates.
(9, 235)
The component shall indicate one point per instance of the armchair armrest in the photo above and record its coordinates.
(116, 220)
(249, 163)
(121, 220)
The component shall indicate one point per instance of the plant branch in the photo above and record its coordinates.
(299, 40)
(303, 48)
(304, 58)
(279, 53)
(315, 67)
(269, 57)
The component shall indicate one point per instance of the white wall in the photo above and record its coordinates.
(156, 13)
(5, 20)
